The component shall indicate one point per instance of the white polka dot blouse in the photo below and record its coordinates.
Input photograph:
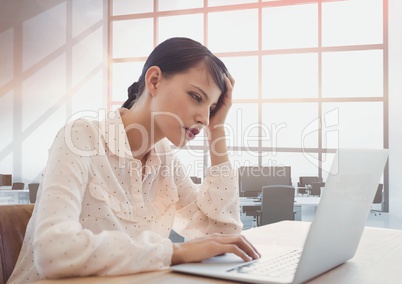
(99, 211)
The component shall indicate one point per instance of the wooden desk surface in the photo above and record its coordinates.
(377, 260)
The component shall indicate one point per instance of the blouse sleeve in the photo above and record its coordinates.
(211, 207)
(61, 246)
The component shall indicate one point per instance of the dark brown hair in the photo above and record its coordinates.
(176, 55)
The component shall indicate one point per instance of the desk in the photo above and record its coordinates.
(12, 196)
(5, 187)
(5, 200)
(377, 260)
(299, 201)
(251, 205)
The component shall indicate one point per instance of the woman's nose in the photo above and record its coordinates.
(203, 118)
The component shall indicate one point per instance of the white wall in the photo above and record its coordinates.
(52, 56)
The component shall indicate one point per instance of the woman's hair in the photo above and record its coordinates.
(176, 55)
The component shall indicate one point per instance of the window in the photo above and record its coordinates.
(309, 74)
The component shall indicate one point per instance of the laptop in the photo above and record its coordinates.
(334, 234)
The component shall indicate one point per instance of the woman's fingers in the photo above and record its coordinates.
(229, 80)
(206, 247)
(231, 248)
(219, 117)
(242, 243)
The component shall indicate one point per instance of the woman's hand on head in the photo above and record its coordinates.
(207, 247)
(219, 117)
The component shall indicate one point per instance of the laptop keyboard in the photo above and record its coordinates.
(280, 266)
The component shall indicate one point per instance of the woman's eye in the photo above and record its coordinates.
(196, 97)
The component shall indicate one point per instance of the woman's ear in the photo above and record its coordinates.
(152, 78)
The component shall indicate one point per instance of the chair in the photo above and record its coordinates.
(33, 191)
(196, 180)
(305, 183)
(277, 204)
(18, 185)
(253, 178)
(13, 222)
(316, 188)
(377, 199)
(5, 180)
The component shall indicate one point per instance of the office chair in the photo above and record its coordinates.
(33, 191)
(305, 183)
(253, 178)
(277, 204)
(377, 199)
(13, 222)
(18, 185)
(316, 188)
(196, 180)
(5, 180)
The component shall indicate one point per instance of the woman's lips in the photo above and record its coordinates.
(191, 133)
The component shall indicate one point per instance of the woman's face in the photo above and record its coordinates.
(182, 104)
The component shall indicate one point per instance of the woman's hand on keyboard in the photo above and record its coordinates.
(213, 245)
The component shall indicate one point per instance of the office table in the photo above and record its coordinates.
(5, 187)
(299, 201)
(250, 206)
(13, 196)
(378, 259)
(5, 199)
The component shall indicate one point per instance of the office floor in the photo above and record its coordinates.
(391, 220)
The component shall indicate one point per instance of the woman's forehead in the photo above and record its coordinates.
(201, 78)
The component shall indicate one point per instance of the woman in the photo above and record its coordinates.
(113, 189)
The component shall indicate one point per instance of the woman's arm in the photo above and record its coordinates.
(216, 128)
(212, 209)
(66, 243)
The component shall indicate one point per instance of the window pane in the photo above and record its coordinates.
(357, 125)
(290, 76)
(184, 26)
(291, 124)
(227, 33)
(213, 3)
(42, 91)
(7, 120)
(123, 75)
(352, 22)
(242, 126)
(37, 142)
(115, 106)
(192, 161)
(87, 56)
(87, 96)
(40, 35)
(243, 158)
(302, 164)
(279, 32)
(85, 14)
(245, 71)
(123, 7)
(165, 5)
(133, 38)
(352, 74)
